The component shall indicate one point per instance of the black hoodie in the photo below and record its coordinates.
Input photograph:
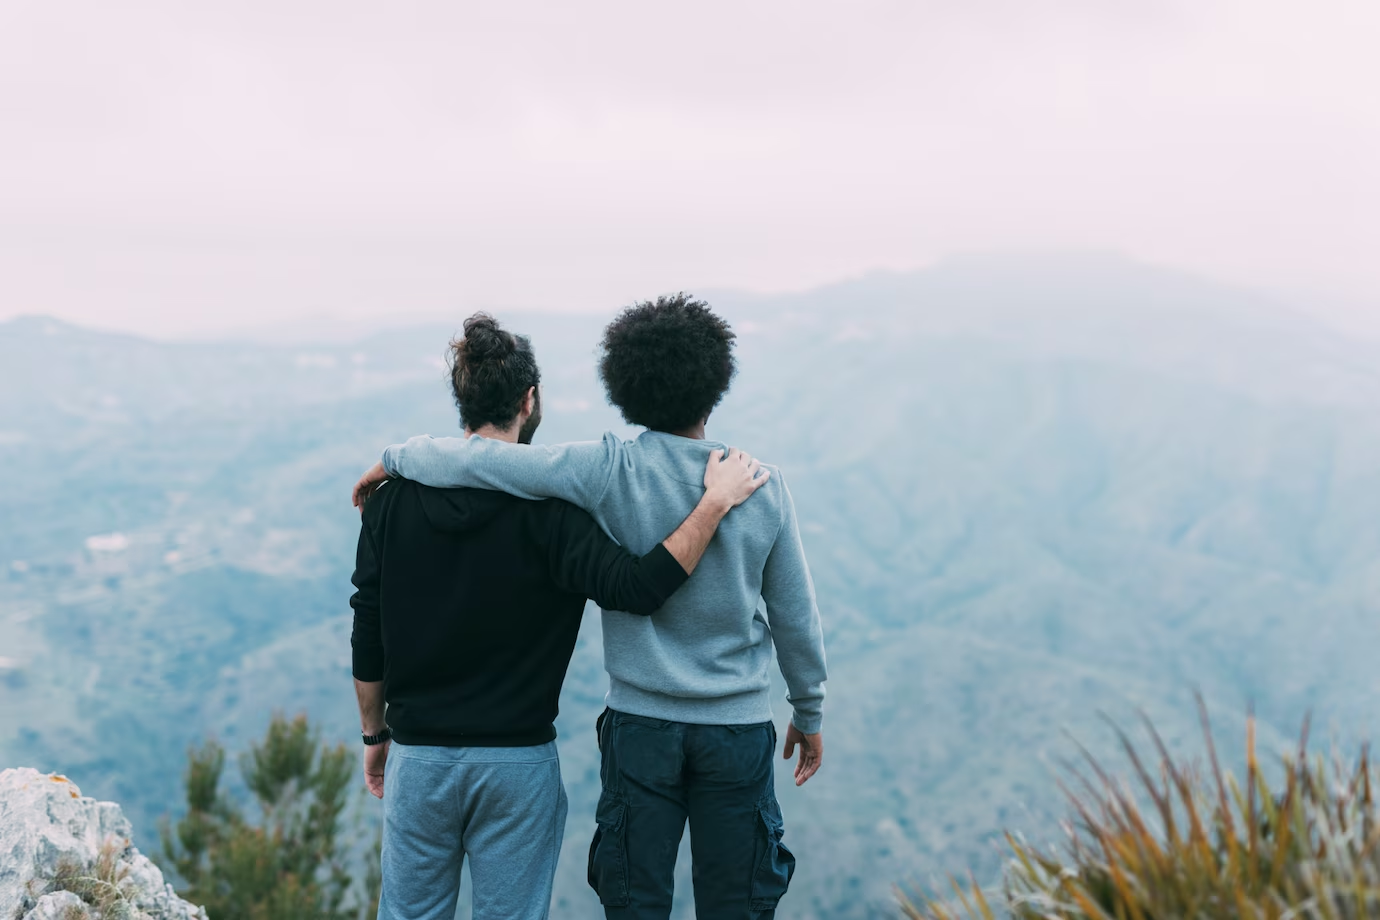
(468, 603)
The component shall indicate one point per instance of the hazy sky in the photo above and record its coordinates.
(180, 168)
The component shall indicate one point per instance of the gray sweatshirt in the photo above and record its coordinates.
(705, 657)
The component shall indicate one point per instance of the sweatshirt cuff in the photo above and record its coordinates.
(808, 725)
(390, 459)
(367, 664)
(663, 571)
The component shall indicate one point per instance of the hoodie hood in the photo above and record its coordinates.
(461, 510)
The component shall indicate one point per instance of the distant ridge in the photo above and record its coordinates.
(1093, 305)
(1015, 282)
(38, 326)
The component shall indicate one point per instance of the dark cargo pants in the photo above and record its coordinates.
(658, 774)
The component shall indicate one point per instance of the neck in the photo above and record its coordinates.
(695, 432)
(509, 434)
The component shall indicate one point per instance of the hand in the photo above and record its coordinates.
(733, 479)
(368, 484)
(811, 753)
(375, 758)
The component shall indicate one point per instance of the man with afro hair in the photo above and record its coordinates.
(687, 734)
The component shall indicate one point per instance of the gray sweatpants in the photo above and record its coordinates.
(505, 808)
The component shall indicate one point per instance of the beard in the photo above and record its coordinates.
(529, 427)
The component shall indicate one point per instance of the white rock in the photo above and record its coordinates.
(60, 905)
(44, 821)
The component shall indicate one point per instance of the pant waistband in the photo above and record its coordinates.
(537, 753)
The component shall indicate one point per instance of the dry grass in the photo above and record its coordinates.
(1179, 841)
(102, 885)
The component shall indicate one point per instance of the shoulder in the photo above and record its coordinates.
(777, 483)
(608, 443)
(614, 446)
(773, 500)
(563, 522)
(617, 450)
(580, 455)
(377, 506)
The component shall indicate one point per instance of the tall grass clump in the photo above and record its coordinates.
(1181, 841)
(104, 885)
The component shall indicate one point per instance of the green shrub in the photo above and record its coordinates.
(1180, 841)
(290, 864)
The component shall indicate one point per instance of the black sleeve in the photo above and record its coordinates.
(585, 561)
(367, 638)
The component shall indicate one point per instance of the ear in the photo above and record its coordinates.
(529, 402)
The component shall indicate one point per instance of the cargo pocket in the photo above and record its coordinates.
(775, 863)
(608, 855)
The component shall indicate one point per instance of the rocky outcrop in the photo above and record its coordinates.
(66, 857)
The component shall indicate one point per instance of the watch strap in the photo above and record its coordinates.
(380, 738)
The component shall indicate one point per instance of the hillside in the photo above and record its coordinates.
(1031, 489)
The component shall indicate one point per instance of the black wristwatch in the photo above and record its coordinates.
(380, 738)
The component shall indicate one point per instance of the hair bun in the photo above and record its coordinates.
(486, 340)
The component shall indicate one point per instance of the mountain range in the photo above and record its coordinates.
(1033, 490)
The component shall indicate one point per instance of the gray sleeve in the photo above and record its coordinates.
(577, 472)
(794, 617)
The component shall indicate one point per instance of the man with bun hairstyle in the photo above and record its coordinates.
(467, 608)
(687, 734)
